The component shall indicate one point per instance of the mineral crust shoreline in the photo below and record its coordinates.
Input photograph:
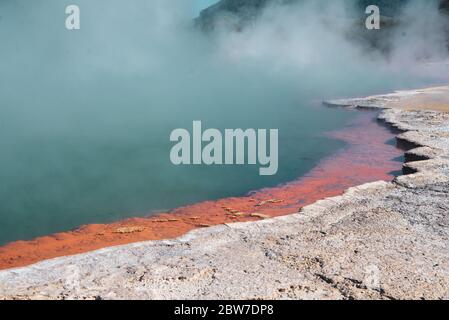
(382, 240)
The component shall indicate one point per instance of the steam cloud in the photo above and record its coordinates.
(323, 35)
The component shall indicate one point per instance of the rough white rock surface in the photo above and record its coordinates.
(384, 240)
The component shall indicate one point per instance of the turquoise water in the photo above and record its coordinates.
(85, 116)
(59, 172)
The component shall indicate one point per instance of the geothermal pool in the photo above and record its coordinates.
(86, 116)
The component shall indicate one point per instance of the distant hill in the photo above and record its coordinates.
(237, 14)
(243, 11)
